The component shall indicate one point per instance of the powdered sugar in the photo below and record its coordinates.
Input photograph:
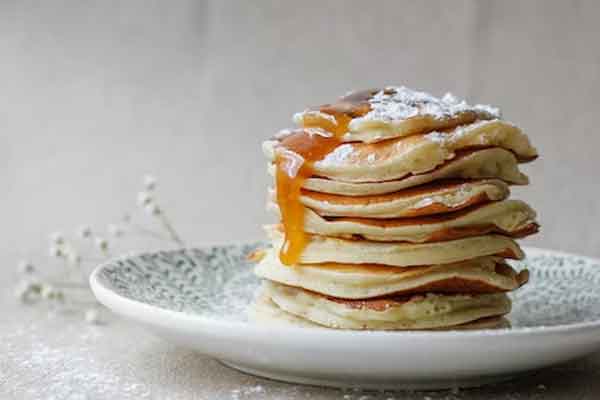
(400, 103)
(340, 154)
(243, 393)
(437, 137)
(459, 132)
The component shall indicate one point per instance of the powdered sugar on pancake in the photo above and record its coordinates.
(337, 156)
(401, 103)
(461, 131)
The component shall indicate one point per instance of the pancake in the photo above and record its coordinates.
(472, 164)
(513, 218)
(398, 158)
(394, 215)
(265, 311)
(428, 311)
(434, 198)
(362, 281)
(480, 324)
(322, 249)
(375, 115)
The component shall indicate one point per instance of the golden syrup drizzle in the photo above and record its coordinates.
(295, 159)
(351, 106)
(298, 151)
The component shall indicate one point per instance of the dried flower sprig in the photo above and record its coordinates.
(147, 200)
(68, 287)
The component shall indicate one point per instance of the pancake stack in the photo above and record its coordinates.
(395, 214)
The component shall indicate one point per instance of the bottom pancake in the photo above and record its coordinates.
(430, 311)
(265, 311)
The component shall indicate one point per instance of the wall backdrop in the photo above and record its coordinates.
(94, 94)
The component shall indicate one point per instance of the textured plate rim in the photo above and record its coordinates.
(117, 302)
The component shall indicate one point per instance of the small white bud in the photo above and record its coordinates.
(102, 244)
(46, 291)
(149, 182)
(85, 232)
(56, 252)
(144, 198)
(115, 230)
(92, 316)
(25, 267)
(57, 238)
(152, 209)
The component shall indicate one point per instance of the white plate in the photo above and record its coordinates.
(198, 298)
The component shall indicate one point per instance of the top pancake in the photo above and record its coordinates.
(416, 154)
(379, 114)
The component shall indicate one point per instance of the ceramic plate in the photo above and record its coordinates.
(199, 297)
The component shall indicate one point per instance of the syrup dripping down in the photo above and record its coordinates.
(353, 105)
(297, 153)
(295, 159)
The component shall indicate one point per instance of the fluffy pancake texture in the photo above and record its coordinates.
(509, 217)
(428, 311)
(361, 281)
(397, 158)
(265, 311)
(473, 164)
(394, 214)
(434, 198)
(323, 249)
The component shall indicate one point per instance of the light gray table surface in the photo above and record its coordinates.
(59, 356)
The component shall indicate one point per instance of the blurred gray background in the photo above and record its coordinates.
(93, 95)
